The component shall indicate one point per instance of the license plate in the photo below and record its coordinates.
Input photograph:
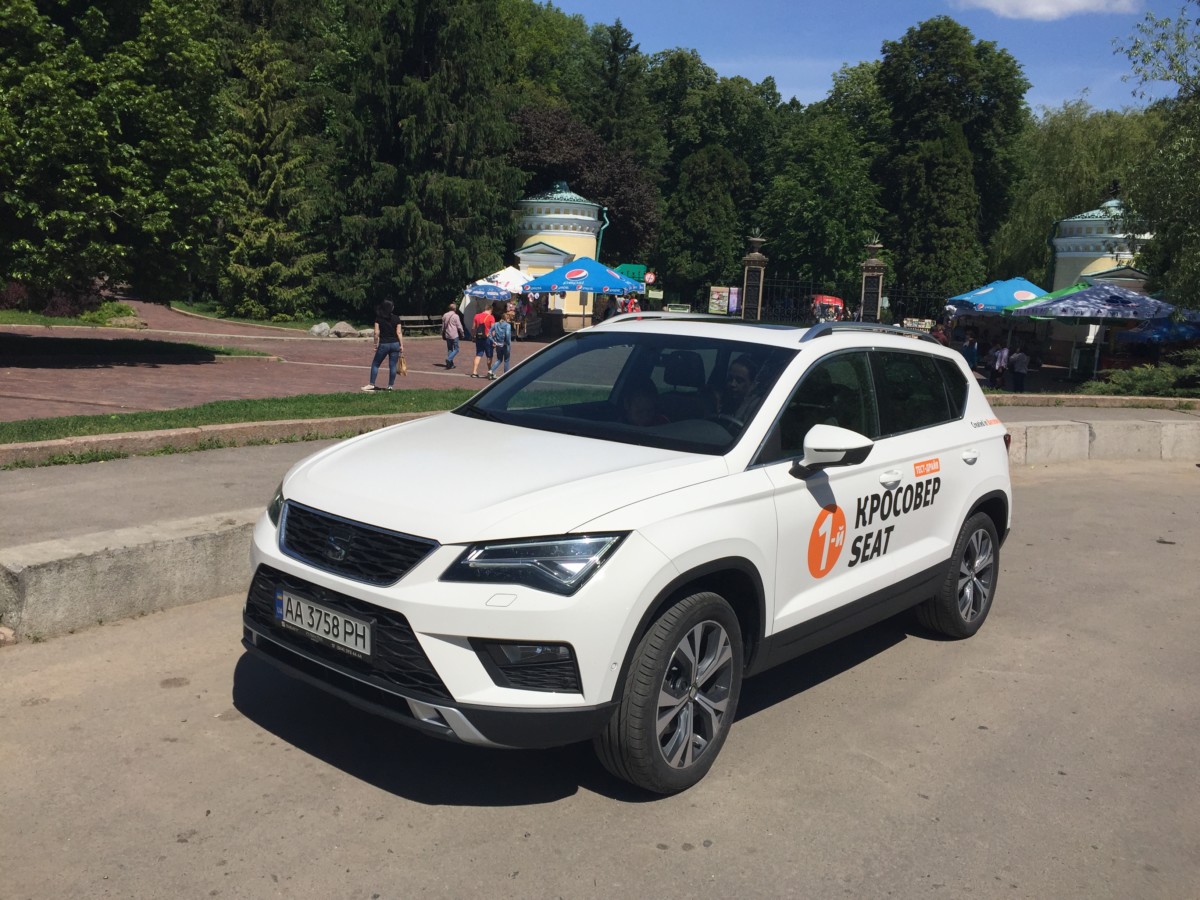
(327, 625)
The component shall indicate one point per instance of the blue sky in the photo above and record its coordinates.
(1065, 46)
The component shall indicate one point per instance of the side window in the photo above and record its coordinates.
(911, 391)
(835, 391)
(956, 387)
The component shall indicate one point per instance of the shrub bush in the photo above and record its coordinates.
(1178, 375)
(109, 309)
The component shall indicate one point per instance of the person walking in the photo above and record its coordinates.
(999, 366)
(480, 326)
(1019, 363)
(501, 337)
(970, 351)
(452, 332)
(388, 343)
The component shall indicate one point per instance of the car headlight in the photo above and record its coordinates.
(275, 507)
(560, 564)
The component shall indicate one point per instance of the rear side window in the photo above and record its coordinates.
(911, 390)
(956, 386)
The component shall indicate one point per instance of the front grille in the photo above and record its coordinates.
(557, 676)
(350, 549)
(396, 661)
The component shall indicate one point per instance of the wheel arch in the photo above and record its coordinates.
(994, 505)
(735, 579)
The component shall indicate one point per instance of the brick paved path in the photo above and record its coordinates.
(42, 375)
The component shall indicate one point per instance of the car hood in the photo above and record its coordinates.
(455, 479)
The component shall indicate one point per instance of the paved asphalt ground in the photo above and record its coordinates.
(1051, 757)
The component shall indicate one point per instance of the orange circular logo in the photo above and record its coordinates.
(825, 542)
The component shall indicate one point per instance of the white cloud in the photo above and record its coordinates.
(1049, 10)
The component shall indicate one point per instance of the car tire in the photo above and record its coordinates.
(965, 598)
(692, 658)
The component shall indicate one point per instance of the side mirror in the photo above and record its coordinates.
(828, 445)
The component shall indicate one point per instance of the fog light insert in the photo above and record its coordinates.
(529, 665)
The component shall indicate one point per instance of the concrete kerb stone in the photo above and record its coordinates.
(55, 587)
(228, 435)
(1126, 440)
(1180, 440)
(1055, 442)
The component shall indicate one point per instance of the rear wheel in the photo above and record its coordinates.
(966, 595)
(680, 697)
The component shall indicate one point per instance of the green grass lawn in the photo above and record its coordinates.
(305, 406)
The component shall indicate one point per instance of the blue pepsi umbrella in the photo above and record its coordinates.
(485, 290)
(584, 274)
(992, 298)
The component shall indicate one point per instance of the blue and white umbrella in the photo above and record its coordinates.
(486, 291)
(992, 298)
(584, 274)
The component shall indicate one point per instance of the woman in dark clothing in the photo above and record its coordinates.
(388, 342)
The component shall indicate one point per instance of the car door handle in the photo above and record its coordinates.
(890, 479)
(970, 457)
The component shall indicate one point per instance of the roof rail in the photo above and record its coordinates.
(821, 329)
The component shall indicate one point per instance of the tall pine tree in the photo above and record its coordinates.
(428, 191)
(271, 267)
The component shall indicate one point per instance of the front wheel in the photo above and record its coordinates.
(966, 595)
(680, 697)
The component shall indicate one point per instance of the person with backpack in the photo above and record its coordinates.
(501, 336)
(480, 326)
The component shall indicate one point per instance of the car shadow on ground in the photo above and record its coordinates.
(799, 675)
(410, 764)
(26, 351)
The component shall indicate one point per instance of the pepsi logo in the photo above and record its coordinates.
(576, 275)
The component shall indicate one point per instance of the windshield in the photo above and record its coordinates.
(657, 390)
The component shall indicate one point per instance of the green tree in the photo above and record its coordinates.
(271, 266)
(938, 244)
(1163, 190)
(428, 191)
(821, 206)
(702, 232)
(553, 53)
(112, 164)
(954, 103)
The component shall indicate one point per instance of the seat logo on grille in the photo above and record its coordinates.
(337, 545)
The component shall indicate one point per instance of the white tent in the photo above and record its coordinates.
(510, 278)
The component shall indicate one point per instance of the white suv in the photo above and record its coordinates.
(602, 544)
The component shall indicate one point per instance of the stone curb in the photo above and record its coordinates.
(1097, 401)
(56, 587)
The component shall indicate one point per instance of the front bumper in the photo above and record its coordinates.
(464, 723)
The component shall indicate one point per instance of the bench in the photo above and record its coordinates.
(417, 326)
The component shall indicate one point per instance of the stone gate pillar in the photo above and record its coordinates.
(754, 266)
(872, 282)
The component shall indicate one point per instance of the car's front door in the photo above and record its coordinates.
(832, 544)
